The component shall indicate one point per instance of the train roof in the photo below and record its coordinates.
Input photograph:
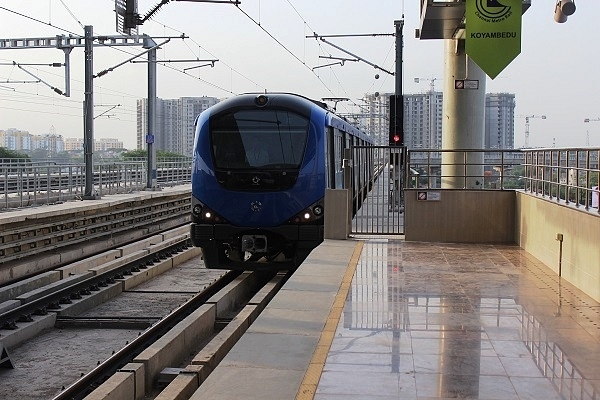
(295, 100)
(290, 99)
(341, 124)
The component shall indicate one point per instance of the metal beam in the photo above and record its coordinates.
(321, 38)
(62, 41)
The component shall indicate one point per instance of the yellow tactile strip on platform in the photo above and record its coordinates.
(309, 384)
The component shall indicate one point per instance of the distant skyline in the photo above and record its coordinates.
(555, 74)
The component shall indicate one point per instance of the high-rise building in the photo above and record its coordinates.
(500, 121)
(375, 116)
(174, 122)
(52, 143)
(102, 144)
(423, 119)
(73, 144)
(15, 139)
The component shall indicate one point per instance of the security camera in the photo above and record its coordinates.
(563, 9)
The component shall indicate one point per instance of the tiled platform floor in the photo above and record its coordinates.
(436, 321)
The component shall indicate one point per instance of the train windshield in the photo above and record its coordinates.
(258, 138)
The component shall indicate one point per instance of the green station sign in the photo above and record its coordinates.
(493, 33)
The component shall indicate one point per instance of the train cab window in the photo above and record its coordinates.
(258, 138)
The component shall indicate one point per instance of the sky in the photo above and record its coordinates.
(261, 45)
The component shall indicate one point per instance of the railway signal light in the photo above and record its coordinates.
(396, 136)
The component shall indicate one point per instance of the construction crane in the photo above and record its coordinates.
(527, 118)
(587, 137)
(431, 83)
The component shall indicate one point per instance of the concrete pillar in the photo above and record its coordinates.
(463, 125)
(336, 214)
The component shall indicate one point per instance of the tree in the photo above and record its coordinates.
(513, 178)
(135, 154)
(6, 153)
(144, 154)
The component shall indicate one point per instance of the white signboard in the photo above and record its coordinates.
(466, 84)
(429, 196)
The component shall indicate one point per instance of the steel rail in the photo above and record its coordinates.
(89, 382)
(53, 301)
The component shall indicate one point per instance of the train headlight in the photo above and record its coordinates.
(203, 214)
(261, 100)
(310, 215)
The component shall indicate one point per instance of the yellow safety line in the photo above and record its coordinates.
(311, 379)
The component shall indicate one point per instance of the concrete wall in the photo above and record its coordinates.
(467, 216)
(538, 220)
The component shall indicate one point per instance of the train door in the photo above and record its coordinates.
(335, 155)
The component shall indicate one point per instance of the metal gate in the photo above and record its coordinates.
(379, 208)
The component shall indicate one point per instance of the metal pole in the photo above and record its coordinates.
(399, 24)
(150, 138)
(67, 51)
(88, 112)
(347, 166)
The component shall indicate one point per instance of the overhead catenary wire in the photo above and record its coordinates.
(284, 47)
(72, 15)
(37, 20)
(183, 71)
(341, 35)
(116, 48)
(195, 77)
(211, 54)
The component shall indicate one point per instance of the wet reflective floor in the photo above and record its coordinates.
(445, 321)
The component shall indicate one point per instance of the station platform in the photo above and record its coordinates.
(382, 318)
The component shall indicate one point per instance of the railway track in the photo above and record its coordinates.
(34, 242)
(84, 337)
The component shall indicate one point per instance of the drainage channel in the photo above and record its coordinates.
(208, 324)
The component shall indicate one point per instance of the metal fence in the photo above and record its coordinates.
(465, 169)
(380, 211)
(568, 176)
(24, 183)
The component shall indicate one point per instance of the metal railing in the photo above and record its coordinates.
(568, 176)
(492, 169)
(24, 183)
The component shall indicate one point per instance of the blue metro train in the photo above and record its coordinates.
(261, 165)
